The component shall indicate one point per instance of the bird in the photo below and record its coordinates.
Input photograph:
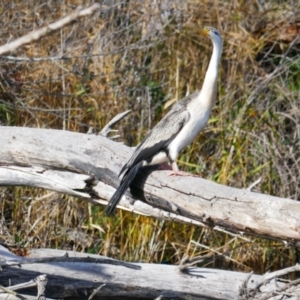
(178, 128)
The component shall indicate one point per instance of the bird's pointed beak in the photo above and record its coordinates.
(205, 31)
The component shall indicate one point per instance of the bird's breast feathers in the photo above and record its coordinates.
(198, 120)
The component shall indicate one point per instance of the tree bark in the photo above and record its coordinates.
(86, 166)
(78, 280)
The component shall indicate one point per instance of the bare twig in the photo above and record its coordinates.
(25, 285)
(91, 130)
(187, 262)
(252, 185)
(108, 127)
(217, 252)
(96, 291)
(50, 58)
(37, 34)
(235, 235)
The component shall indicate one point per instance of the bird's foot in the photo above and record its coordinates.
(177, 172)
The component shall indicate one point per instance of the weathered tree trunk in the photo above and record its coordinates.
(86, 166)
(69, 276)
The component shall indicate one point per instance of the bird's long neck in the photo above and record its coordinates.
(209, 88)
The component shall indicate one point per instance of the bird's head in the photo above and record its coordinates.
(211, 32)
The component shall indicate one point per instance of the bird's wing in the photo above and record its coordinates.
(160, 136)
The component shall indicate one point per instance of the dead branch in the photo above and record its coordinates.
(187, 262)
(87, 166)
(96, 291)
(283, 291)
(10, 292)
(109, 126)
(269, 276)
(262, 290)
(37, 34)
(29, 284)
(95, 281)
(41, 282)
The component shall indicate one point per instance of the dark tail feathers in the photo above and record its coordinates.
(125, 183)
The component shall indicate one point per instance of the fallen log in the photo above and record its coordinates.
(101, 278)
(87, 166)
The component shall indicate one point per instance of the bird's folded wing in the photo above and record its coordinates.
(159, 137)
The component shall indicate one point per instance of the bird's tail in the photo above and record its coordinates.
(125, 183)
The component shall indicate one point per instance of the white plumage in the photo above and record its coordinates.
(178, 128)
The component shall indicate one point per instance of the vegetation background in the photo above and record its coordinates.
(144, 56)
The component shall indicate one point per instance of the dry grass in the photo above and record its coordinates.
(136, 55)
